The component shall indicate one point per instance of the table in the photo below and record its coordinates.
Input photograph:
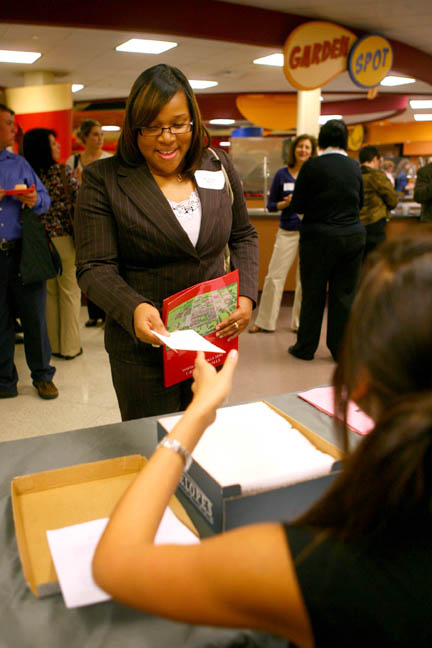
(28, 622)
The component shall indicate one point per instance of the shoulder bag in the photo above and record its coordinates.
(39, 257)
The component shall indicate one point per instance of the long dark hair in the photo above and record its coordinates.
(387, 482)
(37, 149)
(151, 91)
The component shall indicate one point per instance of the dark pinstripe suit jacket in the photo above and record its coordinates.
(131, 248)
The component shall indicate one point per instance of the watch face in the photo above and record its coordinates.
(173, 444)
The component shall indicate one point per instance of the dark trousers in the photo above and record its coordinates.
(375, 234)
(29, 304)
(94, 311)
(336, 261)
(140, 388)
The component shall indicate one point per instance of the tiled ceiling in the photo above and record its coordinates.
(88, 56)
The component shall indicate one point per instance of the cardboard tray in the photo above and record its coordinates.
(66, 496)
(225, 507)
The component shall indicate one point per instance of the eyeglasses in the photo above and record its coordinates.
(174, 129)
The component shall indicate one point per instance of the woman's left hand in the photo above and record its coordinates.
(233, 325)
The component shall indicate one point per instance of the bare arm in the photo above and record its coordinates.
(244, 578)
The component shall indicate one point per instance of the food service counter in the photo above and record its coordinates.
(405, 216)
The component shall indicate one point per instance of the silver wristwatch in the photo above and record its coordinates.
(173, 444)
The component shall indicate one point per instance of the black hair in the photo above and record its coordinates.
(37, 148)
(386, 485)
(368, 153)
(333, 133)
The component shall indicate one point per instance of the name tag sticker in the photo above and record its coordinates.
(210, 179)
(288, 186)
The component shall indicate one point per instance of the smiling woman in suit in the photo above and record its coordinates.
(148, 226)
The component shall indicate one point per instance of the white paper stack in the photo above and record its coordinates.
(255, 447)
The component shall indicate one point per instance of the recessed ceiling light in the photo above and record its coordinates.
(396, 80)
(10, 56)
(418, 104)
(76, 87)
(224, 143)
(271, 59)
(196, 84)
(423, 117)
(110, 128)
(322, 119)
(142, 46)
(222, 122)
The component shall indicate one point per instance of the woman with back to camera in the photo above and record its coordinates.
(285, 248)
(329, 194)
(91, 135)
(355, 570)
(152, 221)
(42, 151)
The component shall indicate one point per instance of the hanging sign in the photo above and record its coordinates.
(369, 61)
(356, 135)
(315, 53)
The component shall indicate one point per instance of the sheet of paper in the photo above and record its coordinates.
(72, 549)
(188, 341)
(322, 399)
(252, 445)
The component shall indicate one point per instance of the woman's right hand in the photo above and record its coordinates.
(211, 387)
(146, 319)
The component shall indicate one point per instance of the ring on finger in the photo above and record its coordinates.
(236, 325)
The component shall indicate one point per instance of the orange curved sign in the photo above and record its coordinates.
(271, 111)
(315, 53)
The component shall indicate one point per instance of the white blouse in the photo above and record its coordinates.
(188, 214)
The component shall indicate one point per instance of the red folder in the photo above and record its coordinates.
(201, 308)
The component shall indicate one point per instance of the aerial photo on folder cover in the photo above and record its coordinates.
(201, 308)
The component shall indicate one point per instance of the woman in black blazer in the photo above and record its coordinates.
(329, 192)
(154, 220)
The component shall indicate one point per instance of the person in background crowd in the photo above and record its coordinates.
(355, 570)
(379, 198)
(91, 135)
(286, 244)
(329, 192)
(26, 302)
(388, 168)
(42, 151)
(403, 183)
(423, 191)
(153, 220)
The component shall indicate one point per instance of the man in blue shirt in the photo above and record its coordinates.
(26, 302)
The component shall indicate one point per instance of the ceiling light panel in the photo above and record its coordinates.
(11, 56)
(222, 122)
(142, 46)
(396, 81)
(196, 84)
(419, 104)
(273, 59)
